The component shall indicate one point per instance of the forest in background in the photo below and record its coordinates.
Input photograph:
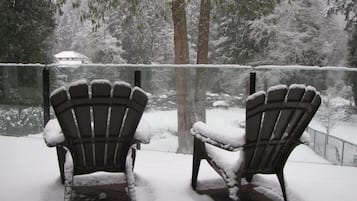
(251, 33)
(248, 33)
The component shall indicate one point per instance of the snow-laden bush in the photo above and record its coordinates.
(19, 121)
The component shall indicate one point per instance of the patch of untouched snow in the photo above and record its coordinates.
(29, 170)
(168, 175)
(220, 103)
(343, 130)
(143, 131)
(167, 144)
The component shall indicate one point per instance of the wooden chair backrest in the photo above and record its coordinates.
(274, 124)
(98, 121)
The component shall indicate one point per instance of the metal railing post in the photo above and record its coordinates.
(46, 94)
(314, 139)
(137, 78)
(325, 148)
(343, 152)
(252, 81)
(137, 82)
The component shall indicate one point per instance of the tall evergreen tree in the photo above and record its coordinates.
(26, 27)
(352, 60)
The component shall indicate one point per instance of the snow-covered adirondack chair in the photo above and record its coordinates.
(98, 126)
(275, 123)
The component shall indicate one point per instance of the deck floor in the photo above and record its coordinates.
(118, 192)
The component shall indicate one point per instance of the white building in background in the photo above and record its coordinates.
(71, 57)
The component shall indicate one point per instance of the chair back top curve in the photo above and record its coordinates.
(275, 122)
(98, 121)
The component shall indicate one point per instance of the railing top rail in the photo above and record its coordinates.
(153, 65)
(337, 138)
(22, 65)
(300, 67)
(244, 67)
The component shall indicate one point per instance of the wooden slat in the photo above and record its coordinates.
(310, 96)
(121, 91)
(83, 117)
(67, 124)
(252, 127)
(138, 100)
(293, 95)
(268, 124)
(100, 90)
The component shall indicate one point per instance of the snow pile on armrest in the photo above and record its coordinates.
(232, 136)
(143, 133)
(53, 133)
(305, 138)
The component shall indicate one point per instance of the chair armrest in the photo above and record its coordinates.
(53, 133)
(228, 138)
(143, 132)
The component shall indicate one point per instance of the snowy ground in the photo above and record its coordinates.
(29, 172)
(344, 130)
(29, 169)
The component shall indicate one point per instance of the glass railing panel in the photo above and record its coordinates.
(334, 150)
(225, 92)
(21, 99)
(349, 155)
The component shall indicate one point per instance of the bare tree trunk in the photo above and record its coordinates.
(184, 96)
(202, 58)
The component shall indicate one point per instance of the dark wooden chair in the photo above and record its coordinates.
(275, 121)
(97, 123)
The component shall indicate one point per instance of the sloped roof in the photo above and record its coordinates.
(70, 54)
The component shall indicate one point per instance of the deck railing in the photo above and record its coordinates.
(334, 149)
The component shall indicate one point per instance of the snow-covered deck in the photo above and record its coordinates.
(29, 171)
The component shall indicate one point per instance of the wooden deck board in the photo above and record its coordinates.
(118, 192)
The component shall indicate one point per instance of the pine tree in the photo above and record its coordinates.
(25, 31)
(352, 60)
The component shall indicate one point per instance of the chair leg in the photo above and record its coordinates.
(282, 184)
(198, 149)
(133, 155)
(195, 170)
(249, 177)
(61, 153)
(130, 175)
(67, 192)
(233, 193)
(68, 174)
